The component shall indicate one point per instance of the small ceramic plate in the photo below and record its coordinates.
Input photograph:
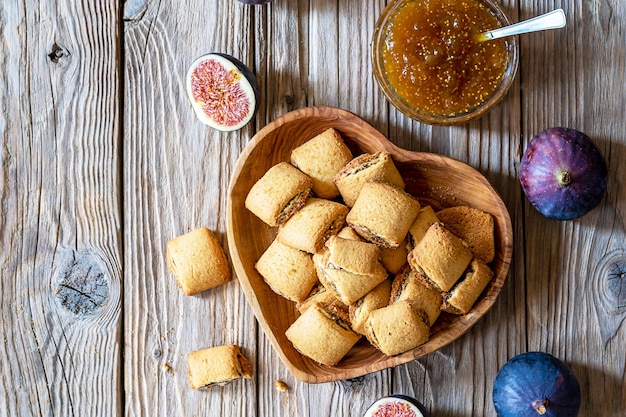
(433, 179)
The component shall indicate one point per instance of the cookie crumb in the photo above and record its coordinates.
(281, 386)
(167, 368)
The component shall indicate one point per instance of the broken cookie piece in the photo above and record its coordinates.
(218, 365)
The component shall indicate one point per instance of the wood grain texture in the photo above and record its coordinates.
(469, 365)
(175, 175)
(295, 69)
(102, 161)
(60, 213)
(574, 270)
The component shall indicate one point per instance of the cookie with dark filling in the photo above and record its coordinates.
(320, 294)
(373, 300)
(383, 214)
(345, 285)
(218, 365)
(409, 285)
(397, 328)
(378, 167)
(425, 218)
(313, 224)
(442, 256)
(461, 298)
(279, 194)
(323, 334)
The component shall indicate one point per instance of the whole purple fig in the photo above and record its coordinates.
(533, 384)
(563, 173)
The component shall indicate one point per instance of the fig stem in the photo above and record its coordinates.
(540, 406)
(564, 178)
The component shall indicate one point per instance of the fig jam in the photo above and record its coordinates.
(433, 61)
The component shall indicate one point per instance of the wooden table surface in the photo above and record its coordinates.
(102, 161)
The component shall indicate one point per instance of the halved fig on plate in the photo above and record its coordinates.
(223, 91)
(396, 406)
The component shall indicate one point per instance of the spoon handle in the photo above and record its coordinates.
(552, 20)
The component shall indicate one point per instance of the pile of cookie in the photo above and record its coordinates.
(360, 256)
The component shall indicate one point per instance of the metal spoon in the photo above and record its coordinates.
(552, 20)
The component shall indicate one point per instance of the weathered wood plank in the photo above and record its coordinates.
(176, 174)
(60, 210)
(459, 377)
(63, 222)
(283, 77)
(575, 270)
(321, 60)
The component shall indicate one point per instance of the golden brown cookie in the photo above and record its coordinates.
(394, 259)
(319, 294)
(289, 272)
(397, 328)
(322, 334)
(197, 261)
(345, 285)
(373, 300)
(425, 218)
(279, 193)
(465, 293)
(352, 255)
(218, 365)
(348, 233)
(383, 214)
(442, 256)
(378, 167)
(408, 286)
(313, 224)
(475, 227)
(321, 158)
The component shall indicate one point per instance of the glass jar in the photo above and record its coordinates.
(429, 65)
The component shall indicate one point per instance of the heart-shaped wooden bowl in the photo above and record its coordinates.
(433, 179)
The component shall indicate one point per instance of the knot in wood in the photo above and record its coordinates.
(289, 100)
(57, 53)
(354, 382)
(82, 287)
(616, 283)
(134, 10)
(611, 275)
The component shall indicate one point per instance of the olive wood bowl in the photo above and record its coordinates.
(432, 179)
